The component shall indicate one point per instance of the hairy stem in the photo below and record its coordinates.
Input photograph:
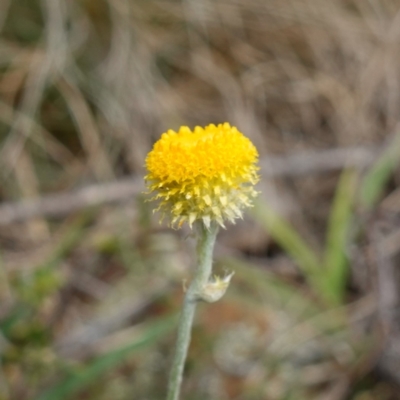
(205, 245)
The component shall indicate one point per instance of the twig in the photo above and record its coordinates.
(59, 205)
(62, 204)
(42, 70)
(312, 162)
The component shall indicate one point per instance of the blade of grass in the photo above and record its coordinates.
(5, 287)
(306, 314)
(274, 290)
(73, 384)
(335, 259)
(378, 175)
(287, 237)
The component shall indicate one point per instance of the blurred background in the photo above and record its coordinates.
(91, 283)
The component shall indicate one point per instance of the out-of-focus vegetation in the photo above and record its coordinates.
(89, 296)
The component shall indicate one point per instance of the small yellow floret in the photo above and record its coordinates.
(206, 174)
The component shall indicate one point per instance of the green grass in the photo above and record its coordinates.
(92, 371)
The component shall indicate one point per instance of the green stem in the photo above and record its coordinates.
(205, 245)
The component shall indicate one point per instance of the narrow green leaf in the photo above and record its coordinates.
(335, 259)
(287, 237)
(378, 175)
(78, 381)
(275, 291)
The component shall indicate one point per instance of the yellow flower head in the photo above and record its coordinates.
(206, 174)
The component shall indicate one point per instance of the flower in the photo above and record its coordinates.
(214, 289)
(206, 174)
